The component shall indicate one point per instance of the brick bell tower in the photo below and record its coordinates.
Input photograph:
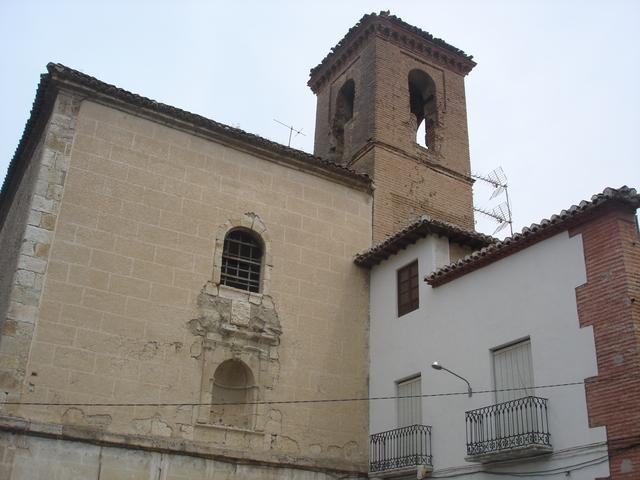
(391, 103)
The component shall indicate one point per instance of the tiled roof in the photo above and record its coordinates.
(422, 227)
(353, 38)
(58, 75)
(535, 233)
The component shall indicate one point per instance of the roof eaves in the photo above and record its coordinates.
(352, 40)
(63, 74)
(40, 110)
(422, 227)
(535, 233)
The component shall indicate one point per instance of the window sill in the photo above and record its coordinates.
(234, 293)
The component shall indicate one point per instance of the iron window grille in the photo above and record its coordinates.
(408, 298)
(241, 261)
(400, 448)
(507, 426)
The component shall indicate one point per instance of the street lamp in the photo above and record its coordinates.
(437, 366)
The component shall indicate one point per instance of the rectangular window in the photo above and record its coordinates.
(408, 300)
(513, 371)
(410, 407)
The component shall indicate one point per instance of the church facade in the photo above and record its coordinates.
(171, 277)
(179, 298)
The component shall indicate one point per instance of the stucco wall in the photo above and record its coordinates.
(528, 294)
(131, 258)
(31, 458)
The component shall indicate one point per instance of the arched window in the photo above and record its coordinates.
(422, 102)
(232, 393)
(344, 113)
(242, 260)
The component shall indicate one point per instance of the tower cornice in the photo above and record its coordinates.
(395, 30)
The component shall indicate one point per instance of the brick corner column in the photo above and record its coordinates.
(610, 302)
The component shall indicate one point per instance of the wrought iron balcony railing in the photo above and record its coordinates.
(405, 447)
(511, 429)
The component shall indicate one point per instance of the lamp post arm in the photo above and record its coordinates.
(469, 391)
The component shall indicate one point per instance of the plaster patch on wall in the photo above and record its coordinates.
(285, 444)
(152, 426)
(76, 416)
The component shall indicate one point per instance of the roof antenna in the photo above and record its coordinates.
(502, 213)
(291, 130)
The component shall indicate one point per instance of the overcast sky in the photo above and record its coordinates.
(554, 100)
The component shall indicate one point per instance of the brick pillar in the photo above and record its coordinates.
(610, 302)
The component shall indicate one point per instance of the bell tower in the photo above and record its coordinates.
(391, 103)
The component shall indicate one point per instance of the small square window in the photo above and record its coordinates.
(408, 299)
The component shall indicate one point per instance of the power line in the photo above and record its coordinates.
(567, 469)
(315, 401)
(545, 473)
(563, 469)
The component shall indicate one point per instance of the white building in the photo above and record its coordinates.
(504, 318)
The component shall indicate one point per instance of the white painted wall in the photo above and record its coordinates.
(528, 294)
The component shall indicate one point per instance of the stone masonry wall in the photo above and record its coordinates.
(13, 229)
(26, 237)
(610, 302)
(131, 258)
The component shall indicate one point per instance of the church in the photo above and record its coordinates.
(181, 299)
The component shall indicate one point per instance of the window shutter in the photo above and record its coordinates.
(408, 289)
(512, 369)
(410, 409)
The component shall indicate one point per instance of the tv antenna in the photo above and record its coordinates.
(501, 213)
(291, 130)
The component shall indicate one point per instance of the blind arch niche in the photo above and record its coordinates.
(233, 392)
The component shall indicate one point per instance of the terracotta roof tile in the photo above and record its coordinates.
(61, 72)
(535, 233)
(352, 37)
(422, 227)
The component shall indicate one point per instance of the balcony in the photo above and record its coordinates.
(399, 452)
(515, 429)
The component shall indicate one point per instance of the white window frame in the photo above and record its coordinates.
(526, 363)
(417, 402)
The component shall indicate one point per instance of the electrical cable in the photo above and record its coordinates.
(543, 473)
(556, 470)
(313, 401)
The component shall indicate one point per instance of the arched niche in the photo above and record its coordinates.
(233, 391)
